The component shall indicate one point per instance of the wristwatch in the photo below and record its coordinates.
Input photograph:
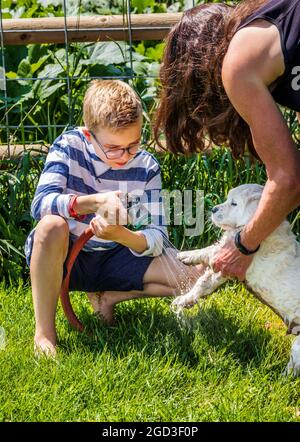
(239, 245)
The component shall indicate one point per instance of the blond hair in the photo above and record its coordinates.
(111, 104)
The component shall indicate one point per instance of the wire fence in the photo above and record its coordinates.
(42, 85)
(44, 72)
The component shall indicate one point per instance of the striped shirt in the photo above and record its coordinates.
(73, 168)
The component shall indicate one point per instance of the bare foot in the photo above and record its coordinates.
(105, 319)
(44, 347)
(103, 307)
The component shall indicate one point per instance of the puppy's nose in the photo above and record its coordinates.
(214, 209)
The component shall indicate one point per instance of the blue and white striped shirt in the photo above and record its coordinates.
(73, 168)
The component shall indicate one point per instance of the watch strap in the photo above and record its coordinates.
(241, 247)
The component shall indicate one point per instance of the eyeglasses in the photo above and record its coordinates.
(117, 153)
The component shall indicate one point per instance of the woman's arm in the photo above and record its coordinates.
(277, 150)
(253, 62)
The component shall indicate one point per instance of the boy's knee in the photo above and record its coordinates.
(52, 229)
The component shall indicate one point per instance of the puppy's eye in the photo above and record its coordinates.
(233, 203)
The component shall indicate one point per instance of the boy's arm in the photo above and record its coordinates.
(135, 241)
(152, 221)
(149, 240)
(50, 197)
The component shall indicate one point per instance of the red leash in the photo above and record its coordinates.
(64, 294)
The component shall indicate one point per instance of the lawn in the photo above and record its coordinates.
(222, 362)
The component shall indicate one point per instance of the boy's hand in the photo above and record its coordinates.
(110, 207)
(102, 229)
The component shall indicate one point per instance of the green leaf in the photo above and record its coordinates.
(13, 56)
(16, 89)
(6, 3)
(36, 66)
(28, 96)
(24, 69)
(140, 68)
(51, 70)
(36, 52)
(141, 5)
(9, 247)
(61, 55)
(107, 53)
(155, 53)
(99, 70)
(45, 92)
(6, 15)
(11, 74)
(150, 94)
(154, 69)
(140, 48)
(30, 12)
(46, 3)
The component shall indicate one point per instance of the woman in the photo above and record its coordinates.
(224, 69)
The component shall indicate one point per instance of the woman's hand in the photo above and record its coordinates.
(231, 262)
(102, 229)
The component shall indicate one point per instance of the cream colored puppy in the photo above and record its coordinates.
(274, 273)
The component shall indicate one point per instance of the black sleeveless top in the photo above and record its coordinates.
(285, 15)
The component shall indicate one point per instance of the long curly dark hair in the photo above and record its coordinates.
(194, 110)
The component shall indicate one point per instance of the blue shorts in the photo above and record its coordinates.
(116, 269)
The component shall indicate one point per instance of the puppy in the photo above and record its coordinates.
(274, 274)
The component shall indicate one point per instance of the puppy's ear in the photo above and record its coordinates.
(255, 196)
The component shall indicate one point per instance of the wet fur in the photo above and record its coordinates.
(273, 275)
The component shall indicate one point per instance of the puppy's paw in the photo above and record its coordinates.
(293, 368)
(181, 302)
(191, 257)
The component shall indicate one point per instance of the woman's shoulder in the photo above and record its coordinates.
(255, 50)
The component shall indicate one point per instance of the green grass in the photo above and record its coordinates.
(221, 364)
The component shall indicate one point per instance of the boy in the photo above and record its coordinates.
(83, 174)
